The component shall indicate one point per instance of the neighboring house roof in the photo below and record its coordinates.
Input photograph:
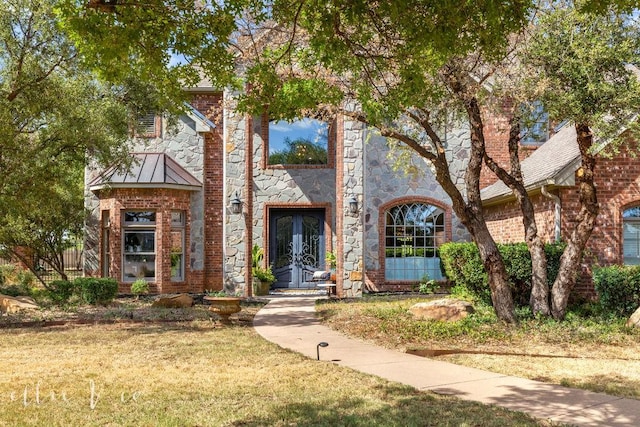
(554, 163)
(149, 170)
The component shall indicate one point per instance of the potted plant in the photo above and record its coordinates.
(262, 276)
(332, 262)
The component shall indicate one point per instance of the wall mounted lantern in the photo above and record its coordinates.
(236, 204)
(353, 205)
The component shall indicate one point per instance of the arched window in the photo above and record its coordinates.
(631, 235)
(413, 233)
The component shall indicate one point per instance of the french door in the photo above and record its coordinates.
(296, 246)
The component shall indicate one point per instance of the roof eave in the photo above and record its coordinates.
(110, 186)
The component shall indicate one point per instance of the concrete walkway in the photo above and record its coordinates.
(291, 323)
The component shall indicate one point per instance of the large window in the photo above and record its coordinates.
(631, 235)
(413, 233)
(177, 245)
(139, 245)
(300, 142)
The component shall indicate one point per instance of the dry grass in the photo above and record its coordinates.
(578, 353)
(199, 373)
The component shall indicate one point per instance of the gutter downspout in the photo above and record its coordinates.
(557, 211)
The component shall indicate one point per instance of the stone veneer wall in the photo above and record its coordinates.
(350, 227)
(384, 187)
(237, 141)
(262, 187)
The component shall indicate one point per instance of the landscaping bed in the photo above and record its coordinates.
(124, 309)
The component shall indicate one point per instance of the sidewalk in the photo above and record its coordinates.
(291, 323)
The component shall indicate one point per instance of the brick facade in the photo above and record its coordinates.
(163, 202)
(618, 188)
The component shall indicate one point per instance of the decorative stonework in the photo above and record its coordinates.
(384, 185)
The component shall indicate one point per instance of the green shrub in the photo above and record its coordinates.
(428, 286)
(95, 290)
(618, 289)
(16, 281)
(462, 265)
(60, 291)
(139, 287)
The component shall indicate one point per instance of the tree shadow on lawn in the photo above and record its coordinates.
(400, 405)
(612, 384)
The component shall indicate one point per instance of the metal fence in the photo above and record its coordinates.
(73, 260)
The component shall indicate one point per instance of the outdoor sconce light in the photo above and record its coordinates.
(236, 204)
(353, 205)
(322, 344)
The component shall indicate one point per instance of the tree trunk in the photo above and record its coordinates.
(539, 299)
(586, 219)
(493, 263)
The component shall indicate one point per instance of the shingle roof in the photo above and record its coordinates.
(149, 170)
(554, 163)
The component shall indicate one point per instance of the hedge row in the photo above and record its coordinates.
(462, 265)
(618, 288)
(91, 290)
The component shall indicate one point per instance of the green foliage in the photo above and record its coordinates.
(15, 281)
(264, 274)
(581, 62)
(54, 114)
(139, 287)
(96, 290)
(61, 291)
(428, 286)
(462, 265)
(618, 289)
(331, 259)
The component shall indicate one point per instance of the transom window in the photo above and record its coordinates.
(299, 142)
(631, 235)
(413, 233)
(139, 246)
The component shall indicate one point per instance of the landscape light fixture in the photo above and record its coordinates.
(322, 344)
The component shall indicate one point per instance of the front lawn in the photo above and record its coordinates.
(146, 370)
(585, 351)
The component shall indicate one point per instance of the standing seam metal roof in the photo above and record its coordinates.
(151, 170)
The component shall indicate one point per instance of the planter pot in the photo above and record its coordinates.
(224, 306)
(261, 288)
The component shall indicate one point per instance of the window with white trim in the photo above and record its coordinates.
(139, 246)
(413, 232)
(631, 235)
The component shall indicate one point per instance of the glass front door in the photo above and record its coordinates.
(297, 246)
